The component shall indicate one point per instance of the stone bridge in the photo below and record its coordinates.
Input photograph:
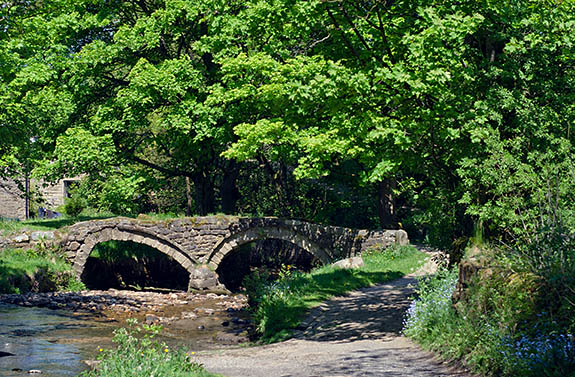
(199, 244)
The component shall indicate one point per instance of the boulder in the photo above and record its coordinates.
(352, 262)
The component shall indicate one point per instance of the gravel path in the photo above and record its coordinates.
(353, 335)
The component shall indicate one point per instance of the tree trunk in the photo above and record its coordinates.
(189, 200)
(204, 189)
(228, 190)
(386, 203)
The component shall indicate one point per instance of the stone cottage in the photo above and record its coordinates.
(13, 202)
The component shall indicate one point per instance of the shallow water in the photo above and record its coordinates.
(57, 341)
(52, 341)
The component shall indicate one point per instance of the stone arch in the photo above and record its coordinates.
(136, 236)
(260, 233)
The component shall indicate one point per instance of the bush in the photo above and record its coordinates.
(138, 353)
(74, 205)
(550, 256)
(432, 307)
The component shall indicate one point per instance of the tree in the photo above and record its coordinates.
(429, 98)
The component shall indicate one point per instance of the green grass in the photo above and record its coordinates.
(280, 306)
(139, 354)
(7, 227)
(22, 271)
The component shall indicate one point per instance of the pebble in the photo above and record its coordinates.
(188, 315)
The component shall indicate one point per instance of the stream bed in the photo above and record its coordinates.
(57, 341)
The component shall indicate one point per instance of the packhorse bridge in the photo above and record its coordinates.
(199, 244)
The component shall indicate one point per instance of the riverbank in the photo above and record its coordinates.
(210, 320)
(56, 332)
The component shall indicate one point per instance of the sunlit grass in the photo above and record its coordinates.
(25, 270)
(7, 227)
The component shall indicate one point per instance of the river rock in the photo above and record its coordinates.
(228, 338)
(189, 315)
(152, 319)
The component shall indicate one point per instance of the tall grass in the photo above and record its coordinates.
(278, 307)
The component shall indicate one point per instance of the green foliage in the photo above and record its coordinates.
(437, 115)
(550, 258)
(74, 205)
(139, 354)
(115, 251)
(23, 271)
(278, 306)
(510, 320)
(472, 335)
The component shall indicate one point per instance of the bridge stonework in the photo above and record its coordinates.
(199, 244)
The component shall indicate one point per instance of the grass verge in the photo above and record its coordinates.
(138, 354)
(23, 271)
(278, 307)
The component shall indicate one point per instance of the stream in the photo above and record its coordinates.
(56, 341)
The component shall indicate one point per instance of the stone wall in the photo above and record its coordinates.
(12, 203)
(29, 239)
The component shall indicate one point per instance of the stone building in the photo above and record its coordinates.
(13, 199)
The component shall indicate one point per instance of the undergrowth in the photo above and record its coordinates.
(516, 317)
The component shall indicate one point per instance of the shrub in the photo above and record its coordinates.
(550, 256)
(503, 326)
(432, 307)
(74, 205)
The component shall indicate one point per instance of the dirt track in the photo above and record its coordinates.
(354, 335)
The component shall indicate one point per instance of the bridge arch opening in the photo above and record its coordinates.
(131, 265)
(267, 256)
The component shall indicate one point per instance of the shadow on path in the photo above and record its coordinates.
(354, 335)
